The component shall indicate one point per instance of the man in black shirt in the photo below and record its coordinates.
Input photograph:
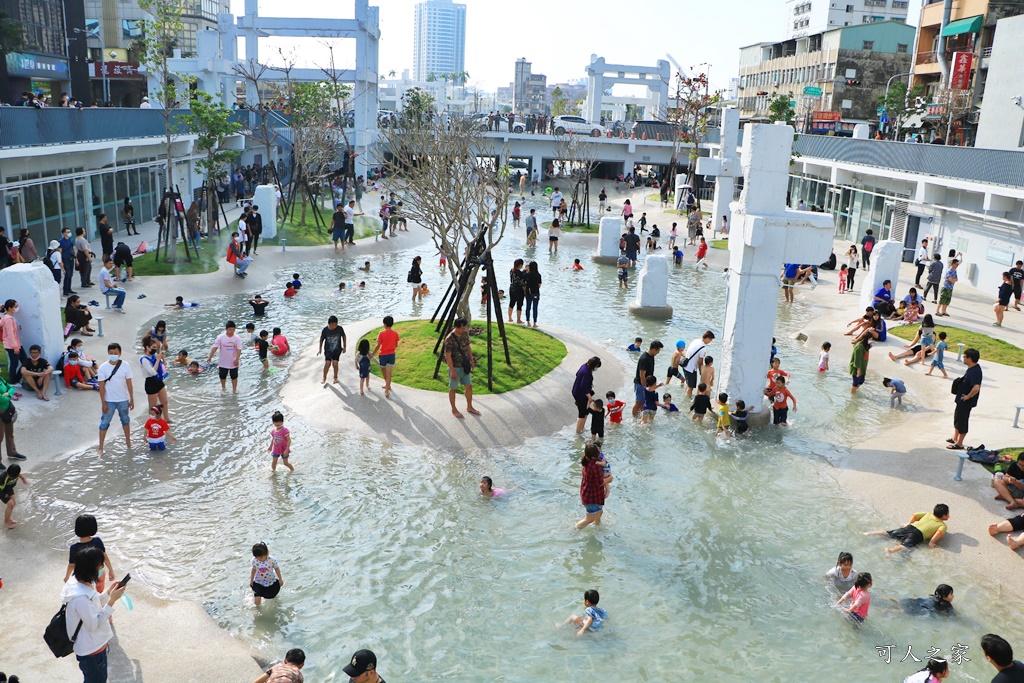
(255, 227)
(644, 369)
(106, 233)
(1017, 275)
(632, 245)
(259, 305)
(363, 668)
(999, 653)
(333, 343)
(966, 399)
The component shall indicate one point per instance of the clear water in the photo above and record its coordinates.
(709, 560)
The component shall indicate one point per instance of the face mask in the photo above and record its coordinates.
(72, 362)
(238, 239)
(113, 358)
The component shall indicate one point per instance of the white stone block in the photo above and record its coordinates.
(39, 304)
(861, 131)
(886, 258)
(265, 197)
(652, 289)
(609, 233)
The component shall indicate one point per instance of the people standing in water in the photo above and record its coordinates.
(333, 343)
(265, 577)
(280, 442)
(228, 346)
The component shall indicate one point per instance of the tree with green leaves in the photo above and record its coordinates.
(160, 35)
(210, 121)
(12, 39)
(417, 106)
(781, 109)
(900, 105)
(316, 139)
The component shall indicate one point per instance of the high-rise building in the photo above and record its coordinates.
(439, 39)
(810, 17)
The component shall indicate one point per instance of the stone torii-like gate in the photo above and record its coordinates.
(602, 76)
(764, 236)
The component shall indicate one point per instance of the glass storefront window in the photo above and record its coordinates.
(68, 215)
(34, 212)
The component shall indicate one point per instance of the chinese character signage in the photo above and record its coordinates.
(825, 116)
(960, 71)
(116, 70)
(936, 110)
(37, 66)
(836, 127)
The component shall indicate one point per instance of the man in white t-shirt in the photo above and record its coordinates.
(229, 345)
(694, 360)
(350, 221)
(556, 201)
(116, 394)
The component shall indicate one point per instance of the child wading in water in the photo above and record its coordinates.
(593, 616)
(723, 415)
(843, 575)
(157, 429)
(262, 578)
(740, 416)
(487, 488)
(85, 529)
(363, 365)
(280, 443)
(823, 357)
(8, 481)
(859, 598)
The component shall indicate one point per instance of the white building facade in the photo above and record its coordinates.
(1001, 123)
(439, 39)
(807, 17)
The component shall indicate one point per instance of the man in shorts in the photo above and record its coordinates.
(695, 353)
(622, 265)
(116, 393)
(459, 357)
(644, 369)
(333, 343)
(923, 526)
(229, 346)
(1017, 274)
(338, 228)
(387, 344)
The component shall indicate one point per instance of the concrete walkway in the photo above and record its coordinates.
(424, 418)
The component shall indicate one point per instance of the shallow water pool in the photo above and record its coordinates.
(709, 560)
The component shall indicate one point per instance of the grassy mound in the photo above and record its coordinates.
(208, 260)
(991, 350)
(309, 235)
(719, 244)
(534, 354)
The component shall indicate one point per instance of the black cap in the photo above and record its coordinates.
(362, 661)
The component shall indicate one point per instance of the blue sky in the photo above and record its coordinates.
(559, 36)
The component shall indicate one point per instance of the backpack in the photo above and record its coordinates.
(56, 634)
(868, 246)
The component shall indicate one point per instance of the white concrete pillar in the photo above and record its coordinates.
(39, 304)
(265, 197)
(608, 234)
(652, 289)
(885, 265)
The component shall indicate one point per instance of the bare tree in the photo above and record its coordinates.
(454, 187)
(578, 154)
(695, 104)
(264, 123)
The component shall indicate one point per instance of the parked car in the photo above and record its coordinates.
(480, 121)
(577, 124)
(667, 131)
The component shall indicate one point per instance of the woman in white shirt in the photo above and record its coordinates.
(92, 611)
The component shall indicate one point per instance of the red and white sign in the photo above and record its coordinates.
(116, 70)
(960, 71)
(826, 116)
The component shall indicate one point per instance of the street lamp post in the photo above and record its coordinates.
(103, 65)
(889, 83)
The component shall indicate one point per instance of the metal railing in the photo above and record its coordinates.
(992, 166)
(31, 127)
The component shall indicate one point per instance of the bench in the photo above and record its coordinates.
(960, 351)
(1016, 416)
(99, 325)
(106, 296)
(56, 379)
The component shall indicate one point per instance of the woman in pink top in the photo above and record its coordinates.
(627, 210)
(12, 340)
(859, 597)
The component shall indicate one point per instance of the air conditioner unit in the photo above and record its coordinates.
(972, 272)
(974, 117)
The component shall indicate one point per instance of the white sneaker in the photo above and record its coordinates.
(119, 309)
